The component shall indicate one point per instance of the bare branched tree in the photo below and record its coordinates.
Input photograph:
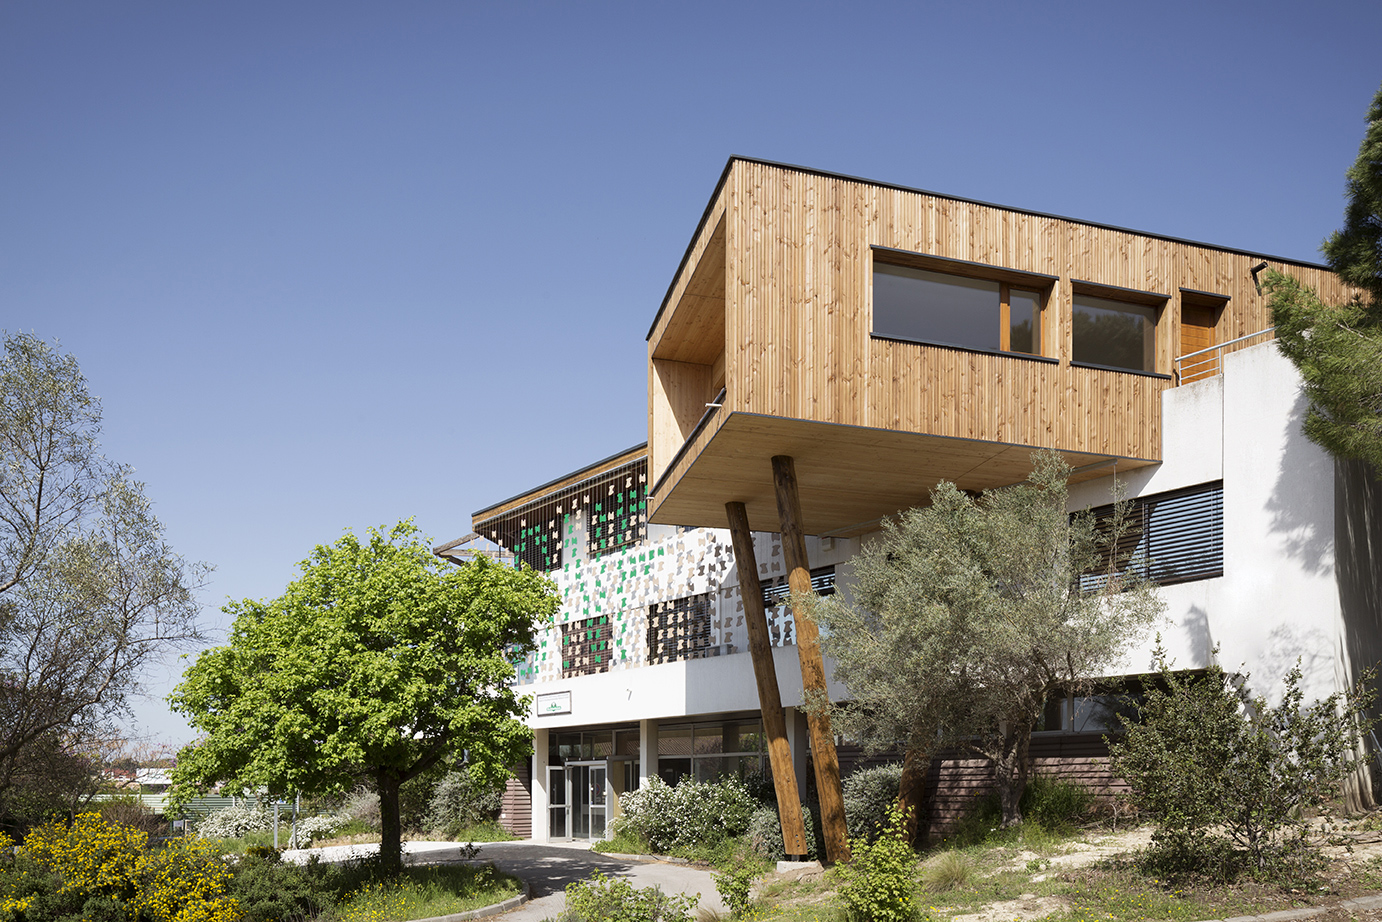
(91, 595)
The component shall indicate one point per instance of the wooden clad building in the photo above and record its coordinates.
(829, 349)
(887, 338)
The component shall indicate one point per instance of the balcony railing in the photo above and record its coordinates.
(1205, 363)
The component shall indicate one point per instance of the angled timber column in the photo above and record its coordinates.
(769, 698)
(812, 668)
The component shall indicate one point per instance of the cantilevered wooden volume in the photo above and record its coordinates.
(769, 698)
(792, 299)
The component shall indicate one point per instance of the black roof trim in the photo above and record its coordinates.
(557, 480)
(954, 198)
(686, 257)
(1214, 295)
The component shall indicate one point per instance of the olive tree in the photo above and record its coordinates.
(965, 615)
(378, 663)
(91, 595)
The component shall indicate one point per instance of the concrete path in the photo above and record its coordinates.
(546, 868)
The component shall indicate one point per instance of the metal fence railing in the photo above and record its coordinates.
(1205, 363)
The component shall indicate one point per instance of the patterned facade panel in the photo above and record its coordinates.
(625, 586)
(679, 629)
(611, 509)
(586, 646)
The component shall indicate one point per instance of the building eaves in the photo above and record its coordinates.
(556, 480)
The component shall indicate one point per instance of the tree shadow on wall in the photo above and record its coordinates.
(1300, 522)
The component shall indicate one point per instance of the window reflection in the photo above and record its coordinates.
(919, 305)
(1114, 334)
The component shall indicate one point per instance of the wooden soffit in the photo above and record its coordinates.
(850, 477)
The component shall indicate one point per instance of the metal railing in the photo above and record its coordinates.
(1205, 363)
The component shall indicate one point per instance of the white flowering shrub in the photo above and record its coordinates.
(234, 822)
(692, 813)
(312, 828)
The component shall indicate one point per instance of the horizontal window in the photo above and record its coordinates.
(920, 305)
(1114, 334)
(1172, 537)
(777, 592)
(1089, 713)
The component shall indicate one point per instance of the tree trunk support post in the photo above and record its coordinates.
(769, 698)
(827, 764)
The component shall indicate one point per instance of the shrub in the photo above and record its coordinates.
(1055, 803)
(765, 834)
(733, 886)
(97, 870)
(234, 822)
(459, 802)
(1048, 804)
(1208, 760)
(130, 811)
(362, 806)
(692, 814)
(880, 875)
(185, 881)
(312, 828)
(270, 890)
(869, 795)
(604, 899)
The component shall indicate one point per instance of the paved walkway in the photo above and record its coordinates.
(546, 868)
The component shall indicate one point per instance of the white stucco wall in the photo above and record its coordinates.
(1277, 599)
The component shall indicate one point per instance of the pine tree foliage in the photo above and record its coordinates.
(1338, 348)
(965, 616)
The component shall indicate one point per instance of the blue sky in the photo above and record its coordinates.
(333, 265)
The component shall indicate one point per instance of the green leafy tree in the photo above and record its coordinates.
(1220, 771)
(91, 595)
(378, 663)
(1338, 348)
(969, 613)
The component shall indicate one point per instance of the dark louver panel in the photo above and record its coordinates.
(1172, 537)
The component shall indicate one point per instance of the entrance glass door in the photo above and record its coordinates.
(557, 803)
(587, 799)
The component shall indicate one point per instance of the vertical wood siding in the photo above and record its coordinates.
(516, 809)
(798, 295)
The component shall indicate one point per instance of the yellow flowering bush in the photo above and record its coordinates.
(91, 855)
(96, 868)
(185, 881)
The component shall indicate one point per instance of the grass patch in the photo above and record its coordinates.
(622, 842)
(420, 893)
(488, 831)
(1118, 892)
(261, 839)
(948, 871)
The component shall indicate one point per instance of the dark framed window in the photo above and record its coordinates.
(1172, 537)
(1113, 334)
(586, 646)
(921, 305)
(680, 629)
(777, 592)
